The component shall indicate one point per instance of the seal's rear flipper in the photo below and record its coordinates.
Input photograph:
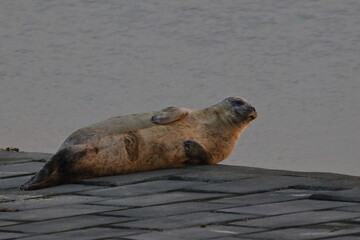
(50, 174)
(42, 180)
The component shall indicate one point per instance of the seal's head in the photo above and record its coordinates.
(240, 112)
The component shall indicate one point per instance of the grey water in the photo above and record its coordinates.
(69, 63)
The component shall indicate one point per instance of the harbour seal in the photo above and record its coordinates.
(172, 137)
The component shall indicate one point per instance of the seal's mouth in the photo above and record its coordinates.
(246, 112)
(252, 115)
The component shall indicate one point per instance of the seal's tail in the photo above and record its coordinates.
(49, 175)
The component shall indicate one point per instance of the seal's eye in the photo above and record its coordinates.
(237, 103)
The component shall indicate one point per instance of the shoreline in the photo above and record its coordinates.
(7, 157)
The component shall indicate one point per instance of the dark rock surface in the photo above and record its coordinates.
(202, 202)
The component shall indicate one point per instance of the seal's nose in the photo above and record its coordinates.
(253, 113)
(253, 109)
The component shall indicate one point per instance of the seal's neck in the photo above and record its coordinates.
(222, 129)
(220, 114)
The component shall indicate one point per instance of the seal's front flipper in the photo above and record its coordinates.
(169, 115)
(197, 153)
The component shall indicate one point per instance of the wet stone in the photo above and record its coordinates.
(298, 219)
(354, 208)
(50, 202)
(13, 174)
(161, 198)
(155, 236)
(248, 186)
(260, 198)
(50, 237)
(5, 222)
(327, 184)
(347, 237)
(287, 207)
(65, 189)
(235, 238)
(355, 220)
(28, 167)
(181, 221)
(55, 212)
(208, 232)
(311, 232)
(65, 224)
(16, 195)
(13, 183)
(91, 233)
(300, 192)
(132, 178)
(141, 188)
(169, 209)
(212, 176)
(352, 195)
(11, 235)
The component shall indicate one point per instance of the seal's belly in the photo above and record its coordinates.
(146, 149)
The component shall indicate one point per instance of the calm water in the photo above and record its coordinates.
(66, 64)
